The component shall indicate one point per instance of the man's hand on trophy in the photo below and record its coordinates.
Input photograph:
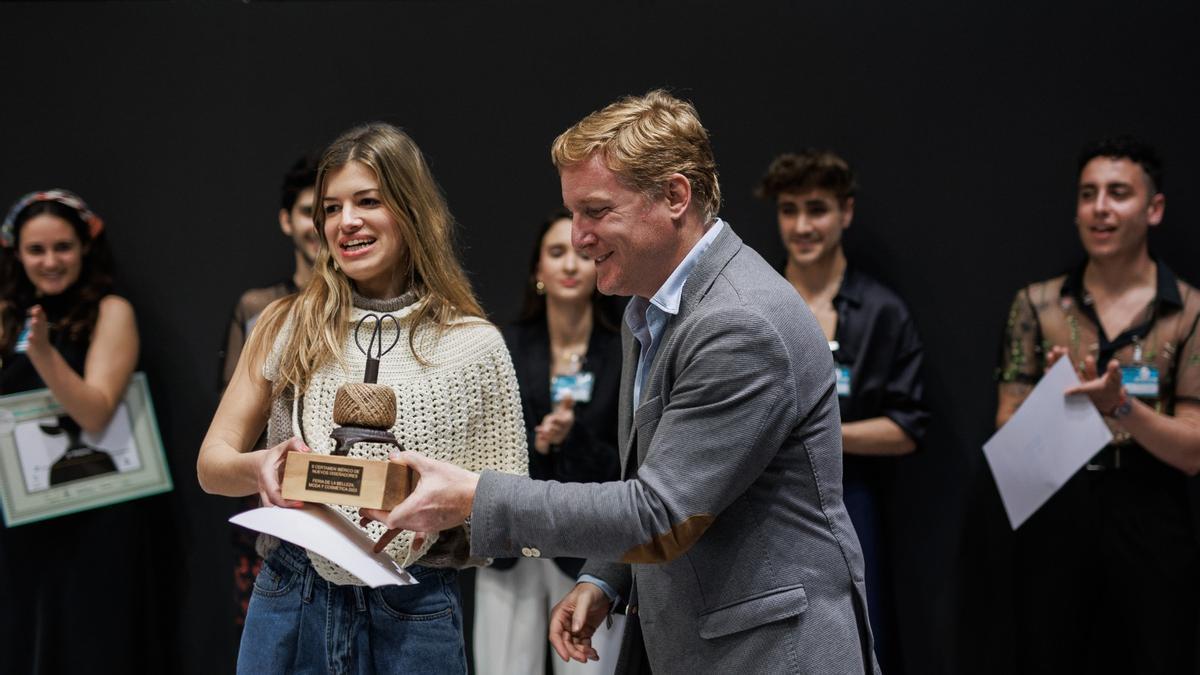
(442, 498)
(270, 472)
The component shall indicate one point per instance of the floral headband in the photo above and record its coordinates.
(8, 233)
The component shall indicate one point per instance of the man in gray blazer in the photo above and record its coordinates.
(727, 541)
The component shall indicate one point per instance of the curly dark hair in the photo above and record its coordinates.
(1127, 147)
(798, 172)
(533, 306)
(18, 293)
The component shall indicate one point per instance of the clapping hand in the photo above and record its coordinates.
(39, 330)
(554, 427)
(1104, 389)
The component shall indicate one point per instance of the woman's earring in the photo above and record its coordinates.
(540, 287)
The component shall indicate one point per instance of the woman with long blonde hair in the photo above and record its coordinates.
(387, 248)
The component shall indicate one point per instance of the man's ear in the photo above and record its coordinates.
(679, 194)
(847, 212)
(285, 222)
(1158, 206)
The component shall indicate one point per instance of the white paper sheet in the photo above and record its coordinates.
(317, 528)
(1044, 443)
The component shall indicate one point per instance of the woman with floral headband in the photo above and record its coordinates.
(67, 584)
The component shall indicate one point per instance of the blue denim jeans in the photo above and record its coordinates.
(299, 623)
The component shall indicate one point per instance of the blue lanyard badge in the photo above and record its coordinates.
(1140, 381)
(23, 338)
(842, 378)
(841, 373)
(579, 386)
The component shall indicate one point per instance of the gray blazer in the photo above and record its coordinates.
(728, 537)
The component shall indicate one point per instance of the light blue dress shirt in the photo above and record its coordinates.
(647, 319)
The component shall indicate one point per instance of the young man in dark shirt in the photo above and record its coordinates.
(1107, 569)
(876, 352)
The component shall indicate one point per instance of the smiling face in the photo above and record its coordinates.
(811, 223)
(51, 253)
(298, 225)
(1116, 206)
(362, 234)
(632, 238)
(567, 275)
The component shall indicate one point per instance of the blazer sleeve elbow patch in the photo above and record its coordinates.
(670, 544)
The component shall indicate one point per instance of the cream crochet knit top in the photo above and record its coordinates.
(461, 406)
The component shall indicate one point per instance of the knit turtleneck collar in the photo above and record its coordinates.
(385, 304)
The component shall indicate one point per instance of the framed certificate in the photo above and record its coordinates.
(50, 467)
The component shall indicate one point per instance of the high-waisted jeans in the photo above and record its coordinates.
(299, 623)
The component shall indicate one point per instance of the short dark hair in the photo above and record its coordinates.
(1127, 147)
(301, 176)
(796, 172)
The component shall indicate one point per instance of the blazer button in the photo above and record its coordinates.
(526, 552)
(631, 610)
(534, 553)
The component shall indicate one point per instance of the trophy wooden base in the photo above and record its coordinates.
(332, 479)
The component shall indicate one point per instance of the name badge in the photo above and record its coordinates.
(22, 345)
(578, 386)
(842, 379)
(1140, 381)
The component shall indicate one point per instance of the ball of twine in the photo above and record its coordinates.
(365, 405)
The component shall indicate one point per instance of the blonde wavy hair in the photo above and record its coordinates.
(644, 140)
(321, 311)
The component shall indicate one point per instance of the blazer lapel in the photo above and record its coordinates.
(701, 278)
(537, 367)
(708, 268)
(595, 362)
(625, 430)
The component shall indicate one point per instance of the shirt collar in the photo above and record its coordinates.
(1167, 293)
(670, 294)
(851, 287)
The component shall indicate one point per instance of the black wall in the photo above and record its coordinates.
(176, 121)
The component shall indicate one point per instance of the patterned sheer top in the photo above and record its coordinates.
(1060, 312)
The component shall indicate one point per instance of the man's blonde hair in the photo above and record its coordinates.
(644, 140)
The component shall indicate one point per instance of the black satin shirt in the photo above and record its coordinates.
(877, 338)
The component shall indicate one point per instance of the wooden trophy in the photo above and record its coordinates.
(364, 413)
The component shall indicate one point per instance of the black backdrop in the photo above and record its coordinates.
(176, 121)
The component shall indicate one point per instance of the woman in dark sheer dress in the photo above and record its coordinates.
(72, 588)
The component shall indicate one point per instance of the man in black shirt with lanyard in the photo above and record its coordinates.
(1108, 570)
(876, 352)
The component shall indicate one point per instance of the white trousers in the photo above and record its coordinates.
(512, 620)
